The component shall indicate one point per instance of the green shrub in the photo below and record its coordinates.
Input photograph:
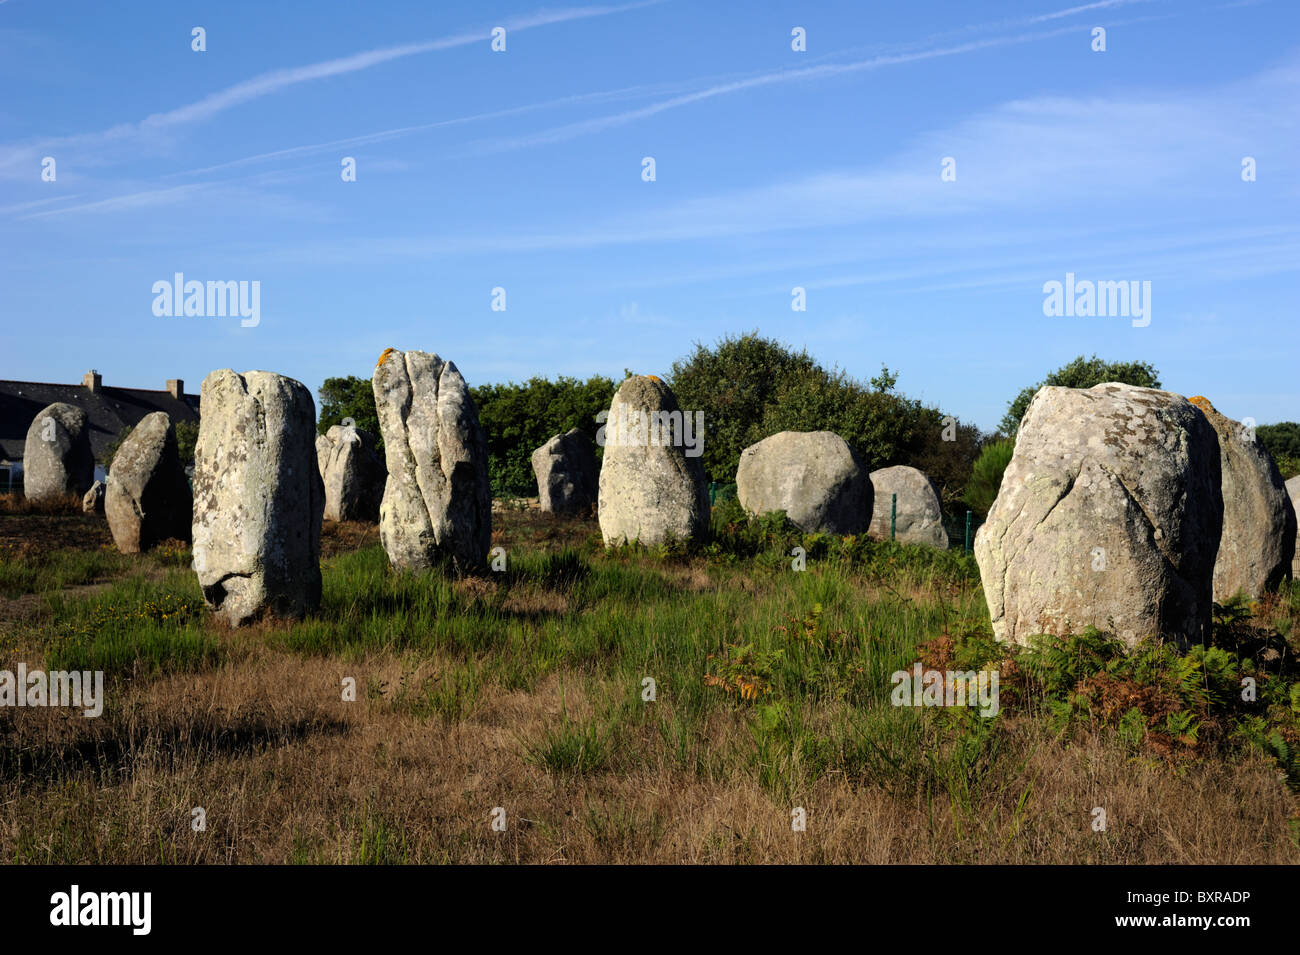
(519, 418)
(1288, 465)
(1153, 691)
(986, 476)
(1081, 373)
(349, 397)
(751, 388)
(1282, 440)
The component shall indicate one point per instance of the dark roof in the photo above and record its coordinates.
(109, 410)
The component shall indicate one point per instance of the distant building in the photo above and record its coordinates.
(108, 409)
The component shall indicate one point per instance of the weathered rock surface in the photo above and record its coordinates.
(814, 476)
(258, 497)
(148, 497)
(1109, 515)
(1293, 492)
(352, 473)
(567, 474)
(1259, 522)
(437, 504)
(651, 490)
(918, 516)
(93, 501)
(57, 458)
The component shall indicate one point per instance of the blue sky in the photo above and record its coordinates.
(774, 169)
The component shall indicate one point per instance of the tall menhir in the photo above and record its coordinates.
(437, 504)
(258, 497)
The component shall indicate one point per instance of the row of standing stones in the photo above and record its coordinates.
(1130, 509)
(651, 492)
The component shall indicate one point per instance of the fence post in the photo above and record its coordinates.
(893, 514)
(967, 548)
(713, 492)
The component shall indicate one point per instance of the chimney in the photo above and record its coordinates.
(177, 388)
(93, 380)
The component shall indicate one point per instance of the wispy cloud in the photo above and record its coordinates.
(385, 135)
(1075, 11)
(715, 88)
(149, 197)
(824, 71)
(37, 203)
(1088, 160)
(228, 189)
(274, 81)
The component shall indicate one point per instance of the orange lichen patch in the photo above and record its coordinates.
(1201, 402)
(653, 377)
(384, 357)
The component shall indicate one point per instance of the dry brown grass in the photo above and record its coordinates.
(27, 534)
(287, 772)
(339, 537)
(16, 503)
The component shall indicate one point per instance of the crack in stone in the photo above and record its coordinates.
(1160, 540)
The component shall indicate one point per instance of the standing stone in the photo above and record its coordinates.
(652, 486)
(57, 458)
(1293, 492)
(1109, 515)
(567, 474)
(437, 503)
(814, 476)
(148, 498)
(918, 515)
(1259, 524)
(93, 502)
(258, 497)
(352, 472)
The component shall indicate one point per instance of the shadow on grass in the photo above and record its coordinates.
(114, 751)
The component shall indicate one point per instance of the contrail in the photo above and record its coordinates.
(276, 80)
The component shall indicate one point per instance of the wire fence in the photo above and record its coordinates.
(961, 530)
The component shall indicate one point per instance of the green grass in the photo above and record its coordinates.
(799, 660)
(573, 747)
(134, 625)
(57, 570)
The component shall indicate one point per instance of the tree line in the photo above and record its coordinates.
(750, 387)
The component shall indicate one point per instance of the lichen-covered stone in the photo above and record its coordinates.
(814, 476)
(148, 497)
(258, 497)
(651, 489)
(352, 473)
(57, 457)
(567, 474)
(1259, 522)
(1293, 493)
(918, 516)
(437, 503)
(1109, 515)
